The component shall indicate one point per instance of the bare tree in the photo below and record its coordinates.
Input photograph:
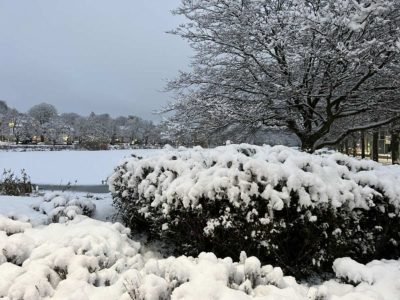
(304, 65)
(395, 142)
(21, 125)
(43, 113)
(3, 107)
(95, 131)
(57, 129)
(73, 123)
(3, 119)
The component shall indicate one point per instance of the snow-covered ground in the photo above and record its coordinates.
(63, 167)
(26, 208)
(78, 257)
(70, 246)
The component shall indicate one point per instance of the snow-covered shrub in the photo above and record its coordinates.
(293, 209)
(64, 260)
(12, 185)
(90, 259)
(61, 207)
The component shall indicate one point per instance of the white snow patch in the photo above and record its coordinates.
(63, 167)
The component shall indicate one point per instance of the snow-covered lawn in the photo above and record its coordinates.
(63, 167)
(78, 257)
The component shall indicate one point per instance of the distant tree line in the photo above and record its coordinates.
(43, 124)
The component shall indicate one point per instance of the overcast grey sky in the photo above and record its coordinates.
(106, 56)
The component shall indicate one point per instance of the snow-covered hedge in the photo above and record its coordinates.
(293, 209)
(89, 259)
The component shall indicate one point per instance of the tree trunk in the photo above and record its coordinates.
(346, 146)
(375, 146)
(307, 145)
(341, 148)
(395, 143)
(363, 144)
(354, 147)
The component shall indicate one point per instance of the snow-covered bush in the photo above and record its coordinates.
(85, 258)
(61, 207)
(293, 209)
(12, 185)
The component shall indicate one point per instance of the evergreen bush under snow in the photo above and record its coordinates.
(293, 209)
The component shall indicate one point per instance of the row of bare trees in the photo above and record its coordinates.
(42, 123)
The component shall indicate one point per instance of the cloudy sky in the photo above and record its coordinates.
(106, 56)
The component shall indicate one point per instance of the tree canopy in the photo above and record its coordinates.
(304, 65)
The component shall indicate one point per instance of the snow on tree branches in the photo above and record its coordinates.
(302, 65)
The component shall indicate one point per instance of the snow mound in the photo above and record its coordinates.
(60, 260)
(371, 273)
(60, 207)
(89, 259)
(56, 207)
(13, 226)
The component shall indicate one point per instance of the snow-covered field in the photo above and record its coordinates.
(63, 167)
(78, 257)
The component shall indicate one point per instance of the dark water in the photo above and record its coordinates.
(94, 189)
